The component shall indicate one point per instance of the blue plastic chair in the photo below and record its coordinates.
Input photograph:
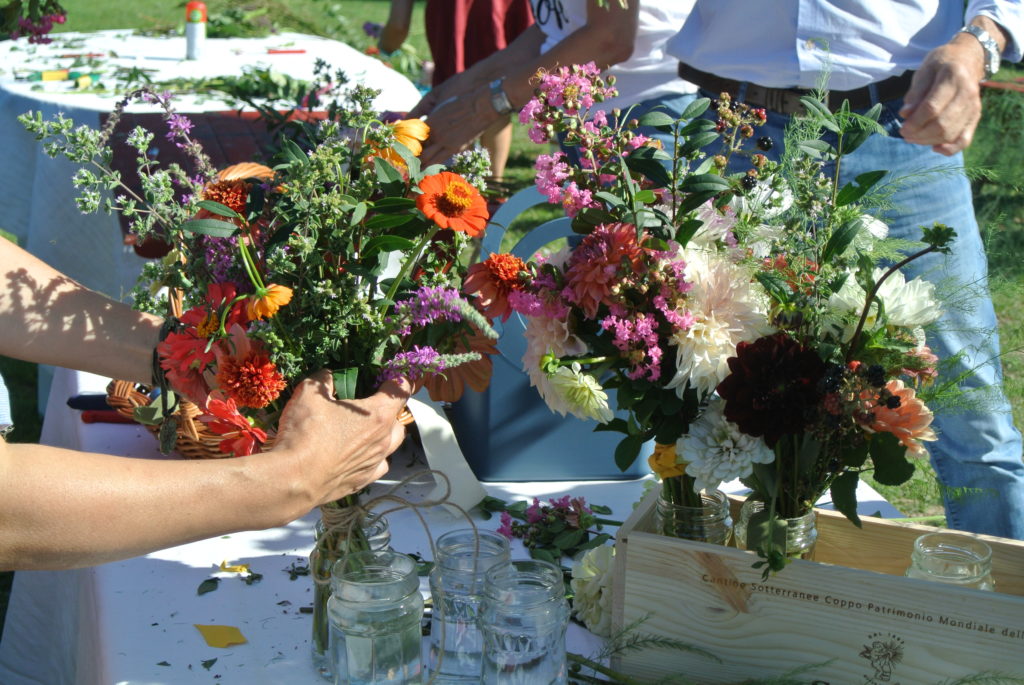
(507, 432)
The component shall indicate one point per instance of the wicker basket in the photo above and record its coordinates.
(195, 440)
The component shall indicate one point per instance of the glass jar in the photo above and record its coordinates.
(801, 532)
(709, 522)
(376, 608)
(952, 558)
(375, 535)
(523, 617)
(456, 584)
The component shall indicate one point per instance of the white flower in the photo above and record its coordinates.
(582, 394)
(876, 227)
(716, 225)
(716, 450)
(763, 202)
(592, 589)
(728, 307)
(544, 336)
(907, 305)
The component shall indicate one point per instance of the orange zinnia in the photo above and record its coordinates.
(265, 302)
(492, 280)
(450, 201)
(410, 133)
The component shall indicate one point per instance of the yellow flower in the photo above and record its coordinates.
(409, 132)
(663, 462)
(265, 302)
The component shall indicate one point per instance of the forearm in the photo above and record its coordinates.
(396, 30)
(47, 318)
(65, 509)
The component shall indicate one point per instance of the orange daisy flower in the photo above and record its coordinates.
(450, 201)
(248, 376)
(493, 279)
(910, 421)
(410, 133)
(265, 302)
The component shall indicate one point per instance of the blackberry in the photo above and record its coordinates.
(875, 375)
(749, 182)
(893, 402)
(765, 143)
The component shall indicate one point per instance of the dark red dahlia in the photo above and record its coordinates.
(772, 388)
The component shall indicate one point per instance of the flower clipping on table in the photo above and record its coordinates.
(592, 576)
(738, 307)
(334, 256)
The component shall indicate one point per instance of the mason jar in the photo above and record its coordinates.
(709, 522)
(375, 611)
(462, 560)
(953, 558)
(374, 534)
(801, 531)
(523, 617)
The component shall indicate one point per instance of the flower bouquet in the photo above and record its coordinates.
(742, 317)
(344, 256)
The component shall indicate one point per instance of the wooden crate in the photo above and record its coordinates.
(850, 607)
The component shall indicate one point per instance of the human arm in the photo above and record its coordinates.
(607, 38)
(396, 30)
(62, 508)
(943, 106)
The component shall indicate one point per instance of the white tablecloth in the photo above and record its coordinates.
(118, 623)
(37, 204)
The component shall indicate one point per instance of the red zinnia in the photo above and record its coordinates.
(240, 437)
(248, 376)
(451, 202)
(493, 279)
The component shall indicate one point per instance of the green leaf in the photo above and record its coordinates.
(627, 451)
(855, 455)
(704, 183)
(208, 663)
(696, 108)
(776, 286)
(387, 243)
(601, 509)
(857, 188)
(359, 212)
(162, 663)
(212, 227)
(218, 209)
(544, 554)
(168, 434)
(761, 529)
(611, 199)
(844, 495)
(208, 585)
(657, 119)
(814, 148)
(386, 221)
(294, 152)
(890, 459)
(150, 415)
(345, 383)
(615, 424)
(385, 172)
(393, 204)
(650, 168)
(697, 141)
(569, 538)
(841, 239)
(824, 117)
(646, 196)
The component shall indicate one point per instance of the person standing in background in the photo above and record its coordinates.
(923, 61)
(460, 34)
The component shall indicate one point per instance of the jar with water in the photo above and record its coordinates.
(375, 609)
(523, 617)
(461, 562)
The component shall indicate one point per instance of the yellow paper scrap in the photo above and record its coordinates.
(237, 568)
(221, 636)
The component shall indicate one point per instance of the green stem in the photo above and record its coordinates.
(250, 265)
(619, 678)
(407, 267)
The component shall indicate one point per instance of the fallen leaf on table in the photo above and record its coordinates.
(237, 568)
(162, 663)
(221, 636)
(208, 585)
(208, 663)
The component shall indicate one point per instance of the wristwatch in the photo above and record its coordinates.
(499, 100)
(992, 56)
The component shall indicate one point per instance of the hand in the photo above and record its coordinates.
(456, 86)
(943, 106)
(340, 447)
(455, 124)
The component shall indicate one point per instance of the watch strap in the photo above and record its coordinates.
(989, 45)
(499, 99)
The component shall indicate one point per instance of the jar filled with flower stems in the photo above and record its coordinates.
(376, 609)
(801, 531)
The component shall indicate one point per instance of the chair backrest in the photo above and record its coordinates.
(508, 432)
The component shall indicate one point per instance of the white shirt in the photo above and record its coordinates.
(650, 72)
(792, 43)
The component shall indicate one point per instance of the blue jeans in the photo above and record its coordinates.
(978, 454)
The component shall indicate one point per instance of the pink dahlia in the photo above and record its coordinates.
(609, 255)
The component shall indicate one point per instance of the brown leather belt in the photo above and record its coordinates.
(787, 100)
